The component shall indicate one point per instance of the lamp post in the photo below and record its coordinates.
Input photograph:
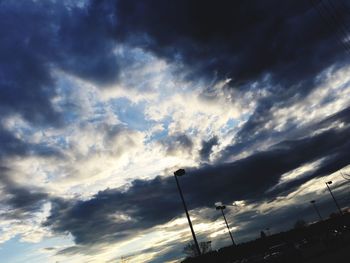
(313, 203)
(335, 201)
(222, 207)
(181, 172)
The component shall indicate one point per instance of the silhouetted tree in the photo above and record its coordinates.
(205, 247)
(191, 251)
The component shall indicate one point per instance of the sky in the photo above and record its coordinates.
(101, 101)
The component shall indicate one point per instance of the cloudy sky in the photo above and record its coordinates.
(101, 101)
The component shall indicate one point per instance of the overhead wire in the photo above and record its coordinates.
(338, 19)
(322, 12)
(340, 15)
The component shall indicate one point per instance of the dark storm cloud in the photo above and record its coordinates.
(86, 46)
(10, 145)
(177, 143)
(40, 36)
(106, 216)
(22, 201)
(115, 214)
(207, 147)
(13, 146)
(239, 39)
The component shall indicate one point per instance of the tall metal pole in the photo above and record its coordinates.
(316, 209)
(229, 231)
(335, 201)
(188, 216)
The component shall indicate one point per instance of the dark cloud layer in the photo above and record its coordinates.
(207, 147)
(115, 214)
(10, 145)
(21, 201)
(49, 36)
(13, 146)
(177, 143)
(241, 40)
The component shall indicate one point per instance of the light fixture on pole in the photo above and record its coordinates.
(221, 207)
(313, 202)
(178, 173)
(335, 201)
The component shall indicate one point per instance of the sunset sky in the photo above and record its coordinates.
(101, 101)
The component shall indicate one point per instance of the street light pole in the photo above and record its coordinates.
(222, 207)
(335, 201)
(181, 172)
(316, 209)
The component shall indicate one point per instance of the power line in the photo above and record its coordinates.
(337, 17)
(320, 9)
(339, 31)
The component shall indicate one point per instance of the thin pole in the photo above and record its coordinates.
(335, 201)
(316, 209)
(188, 216)
(223, 214)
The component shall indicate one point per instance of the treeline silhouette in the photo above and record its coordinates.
(324, 241)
